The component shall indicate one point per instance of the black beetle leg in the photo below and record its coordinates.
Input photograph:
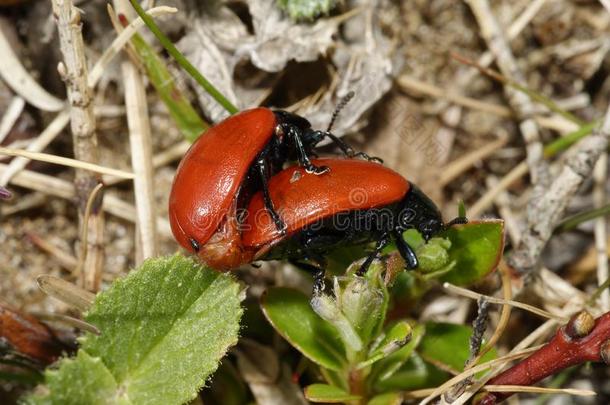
(341, 144)
(349, 151)
(318, 282)
(303, 158)
(406, 251)
(318, 275)
(381, 243)
(456, 221)
(262, 169)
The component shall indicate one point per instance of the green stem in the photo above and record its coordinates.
(547, 102)
(572, 222)
(605, 285)
(565, 142)
(181, 59)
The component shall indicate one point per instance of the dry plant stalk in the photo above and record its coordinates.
(74, 73)
(550, 207)
(141, 149)
(520, 102)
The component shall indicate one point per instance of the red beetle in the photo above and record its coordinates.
(355, 202)
(210, 183)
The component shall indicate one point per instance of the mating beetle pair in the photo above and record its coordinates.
(231, 202)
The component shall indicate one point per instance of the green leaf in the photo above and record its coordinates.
(397, 336)
(476, 249)
(412, 375)
(389, 398)
(306, 9)
(181, 59)
(328, 393)
(289, 312)
(82, 380)
(180, 109)
(448, 344)
(389, 365)
(164, 329)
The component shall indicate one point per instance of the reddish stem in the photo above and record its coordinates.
(564, 350)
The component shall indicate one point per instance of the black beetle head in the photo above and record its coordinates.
(289, 122)
(420, 213)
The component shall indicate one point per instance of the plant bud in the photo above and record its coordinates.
(580, 325)
(328, 310)
(433, 256)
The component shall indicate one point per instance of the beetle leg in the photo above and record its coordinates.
(349, 151)
(381, 243)
(318, 282)
(303, 158)
(456, 221)
(318, 275)
(341, 144)
(406, 251)
(262, 169)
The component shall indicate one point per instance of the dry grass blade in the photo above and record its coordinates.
(471, 371)
(490, 195)
(141, 158)
(38, 144)
(10, 116)
(522, 105)
(460, 165)
(539, 390)
(66, 292)
(473, 295)
(64, 161)
(84, 234)
(62, 119)
(51, 185)
(408, 83)
(68, 320)
(67, 261)
(120, 41)
(15, 75)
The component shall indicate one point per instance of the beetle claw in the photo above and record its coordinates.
(317, 170)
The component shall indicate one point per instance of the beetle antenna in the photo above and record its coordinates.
(338, 109)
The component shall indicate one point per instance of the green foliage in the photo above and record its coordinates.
(291, 315)
(476, 249)
(328, 394)
(182, 61)
(448, 343)
(180, 109)
(362, 356)
(306, 9)
(163, 329)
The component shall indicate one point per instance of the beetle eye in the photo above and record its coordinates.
(194, 245)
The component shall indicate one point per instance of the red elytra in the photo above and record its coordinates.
(302, 199)
(203, 197)
(226, 164)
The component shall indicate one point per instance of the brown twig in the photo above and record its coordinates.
(74, 72)
(582, 339)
